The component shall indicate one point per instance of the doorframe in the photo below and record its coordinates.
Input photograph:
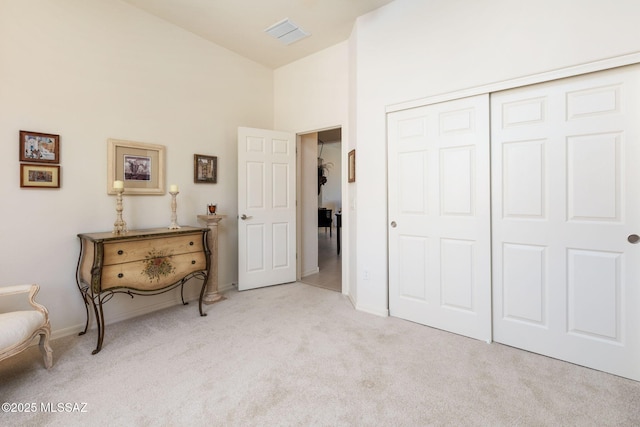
(344, 236)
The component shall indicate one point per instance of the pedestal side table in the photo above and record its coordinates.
(211, 221)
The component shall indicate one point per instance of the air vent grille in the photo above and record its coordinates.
(286, 31)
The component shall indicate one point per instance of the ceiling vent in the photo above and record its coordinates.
(286, 31)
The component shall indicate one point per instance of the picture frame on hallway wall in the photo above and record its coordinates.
(352, 166)
(39, 176)
(37, 147)
(140, 166)
(205, 169)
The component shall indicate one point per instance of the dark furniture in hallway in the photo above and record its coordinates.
(324, 219)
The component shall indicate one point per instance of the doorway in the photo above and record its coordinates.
(321, 199)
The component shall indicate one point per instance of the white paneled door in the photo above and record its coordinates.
(439, 216)
(553, 264)
(266, 208)
(566, 215)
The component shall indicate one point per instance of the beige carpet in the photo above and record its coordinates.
(300, 355)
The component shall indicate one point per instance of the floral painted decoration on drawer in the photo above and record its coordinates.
(158, 264)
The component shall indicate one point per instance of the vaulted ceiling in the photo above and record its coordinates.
(239, 25)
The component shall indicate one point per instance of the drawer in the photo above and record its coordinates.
(135, 250)
(152, 274)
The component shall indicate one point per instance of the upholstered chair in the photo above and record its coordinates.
(18, 328)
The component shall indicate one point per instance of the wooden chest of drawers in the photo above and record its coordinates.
(141, 262)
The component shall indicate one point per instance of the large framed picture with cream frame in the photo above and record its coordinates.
(139, 165)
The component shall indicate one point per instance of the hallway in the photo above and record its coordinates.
(329, 263)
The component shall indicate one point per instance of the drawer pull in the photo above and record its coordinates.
(120, 275)
(193, 261)
(120, 252)
(190, 243)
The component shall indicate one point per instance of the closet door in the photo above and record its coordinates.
(439, 224)
(565, 185)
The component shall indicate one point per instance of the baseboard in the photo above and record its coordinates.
(372, 310)
(225, 288)
(309, 273)
(119, 317)
(65, 332)
(59, 333)
(352, 301)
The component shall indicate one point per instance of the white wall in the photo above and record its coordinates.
(414, 49)
(89, 70)
(308, 203)
(350, 231)
(312, 94)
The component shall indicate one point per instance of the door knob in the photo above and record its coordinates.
(633, 238)
(244, 217)
(393, 224)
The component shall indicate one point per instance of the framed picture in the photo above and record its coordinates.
(39, 176)
(39, 147)
(139, 165)
(205, 169)
(352, 166)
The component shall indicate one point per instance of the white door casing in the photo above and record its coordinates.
(566, 188)
(439, 216)
(266, 208)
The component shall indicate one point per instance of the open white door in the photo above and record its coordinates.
(266, 208)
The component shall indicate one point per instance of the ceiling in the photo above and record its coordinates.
(239, 25)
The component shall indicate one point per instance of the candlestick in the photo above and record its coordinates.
(119, 227)
(174, 205)
(118, 184)
(173, 188)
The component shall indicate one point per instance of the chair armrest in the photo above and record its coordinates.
(23, 289)
(17, 289)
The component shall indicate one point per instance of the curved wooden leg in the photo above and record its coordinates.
(45, 348)
(204, 286)
(86, 309)
(182, 293)
(100, 322)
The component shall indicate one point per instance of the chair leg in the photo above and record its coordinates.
(46, 350)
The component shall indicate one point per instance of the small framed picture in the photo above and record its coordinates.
(352, 166)
(39, 147)
(39, 176)
(205, 169)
